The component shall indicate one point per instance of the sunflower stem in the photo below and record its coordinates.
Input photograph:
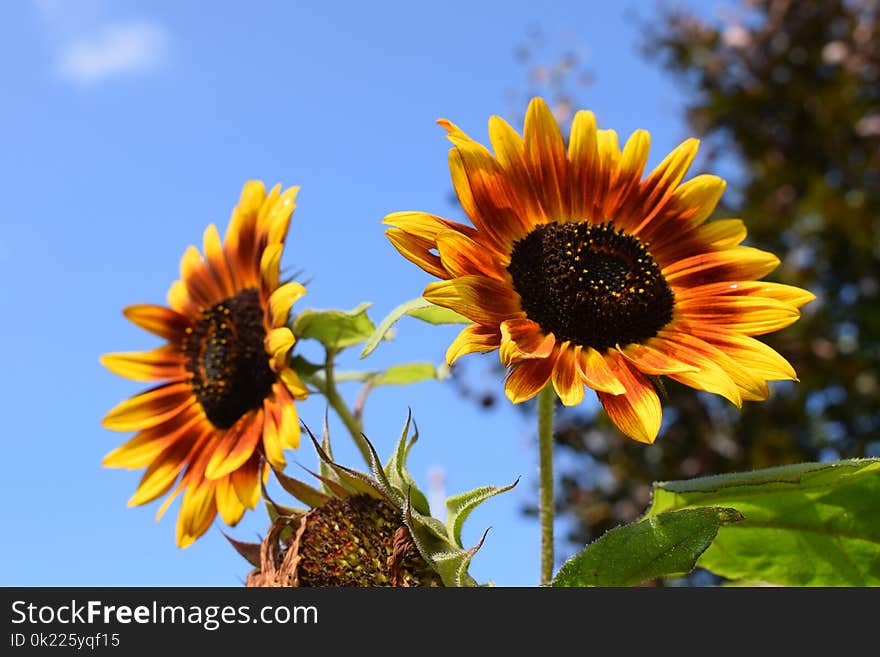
(546, 399)
(354, 424)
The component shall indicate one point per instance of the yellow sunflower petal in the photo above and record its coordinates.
(163, 363)
(566, 377)
(474, 338)
(629, 172)
(288, 426)
(246, 482)
(158, 320)
(597, 373)
(528, 378)
(710, 375)
(738, 263)
(636, 412)
(480, 299)
(649, 360)
(228, 505)
(417, 251)
(690, 205)
(293, 383)
(282, 300)
(270, 267)
(657, 189)
(521, 339)
(197, 511)
(510, 153)
(545, 158)
(582, 158)
(151, 407)
(145, 447)
(751, 315)
(278, 344)
(160, 476)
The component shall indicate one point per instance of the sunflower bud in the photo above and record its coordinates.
(364, 529)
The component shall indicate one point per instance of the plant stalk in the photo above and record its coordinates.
(546, 399)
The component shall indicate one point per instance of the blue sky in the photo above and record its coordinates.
(129, 126)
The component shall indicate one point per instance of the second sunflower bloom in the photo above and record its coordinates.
(582, 273)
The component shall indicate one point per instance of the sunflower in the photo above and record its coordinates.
(583, 273)
(225, 408)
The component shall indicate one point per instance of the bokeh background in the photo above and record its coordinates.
(128, 126)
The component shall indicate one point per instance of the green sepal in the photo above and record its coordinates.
(459, 507)
(396, 470)
(306, 494)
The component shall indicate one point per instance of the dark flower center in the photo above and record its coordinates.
(590, 284)
(351, 542)
(227, 359)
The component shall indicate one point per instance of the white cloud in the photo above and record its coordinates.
(115, 50)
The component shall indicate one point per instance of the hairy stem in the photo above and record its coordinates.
(546, 399)
(355, 425)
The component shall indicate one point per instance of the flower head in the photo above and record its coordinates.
(364, 529)
(583, 273)
(225, 407)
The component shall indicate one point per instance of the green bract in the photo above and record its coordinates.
(365, 529)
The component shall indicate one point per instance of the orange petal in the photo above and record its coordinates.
(163, 363)
(510, 153)
(486, 197)
(629, 172)
(162, 473)
(474, 338)
(461, 256)
(747, 314)
(521, 339)
(657, 189)
(607, 158)
(713, 366)
(566, 377)
(582, 164)
(637, 411)
(787, 294)
(738, 263)
(236, 446)
(546, 160)
(690, 205)
(145, 447)
(199, 283)
(217, 263)
(480, 299)
(529, 377)
(597, 373)
(649, 360)
(713, 236)
(241, 235)
(151, 407)
(158, 320)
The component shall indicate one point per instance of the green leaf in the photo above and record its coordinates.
(419, 308)
(666, 544)
(398, 375)
(811, 524)
(335, 329)
(438, 315)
